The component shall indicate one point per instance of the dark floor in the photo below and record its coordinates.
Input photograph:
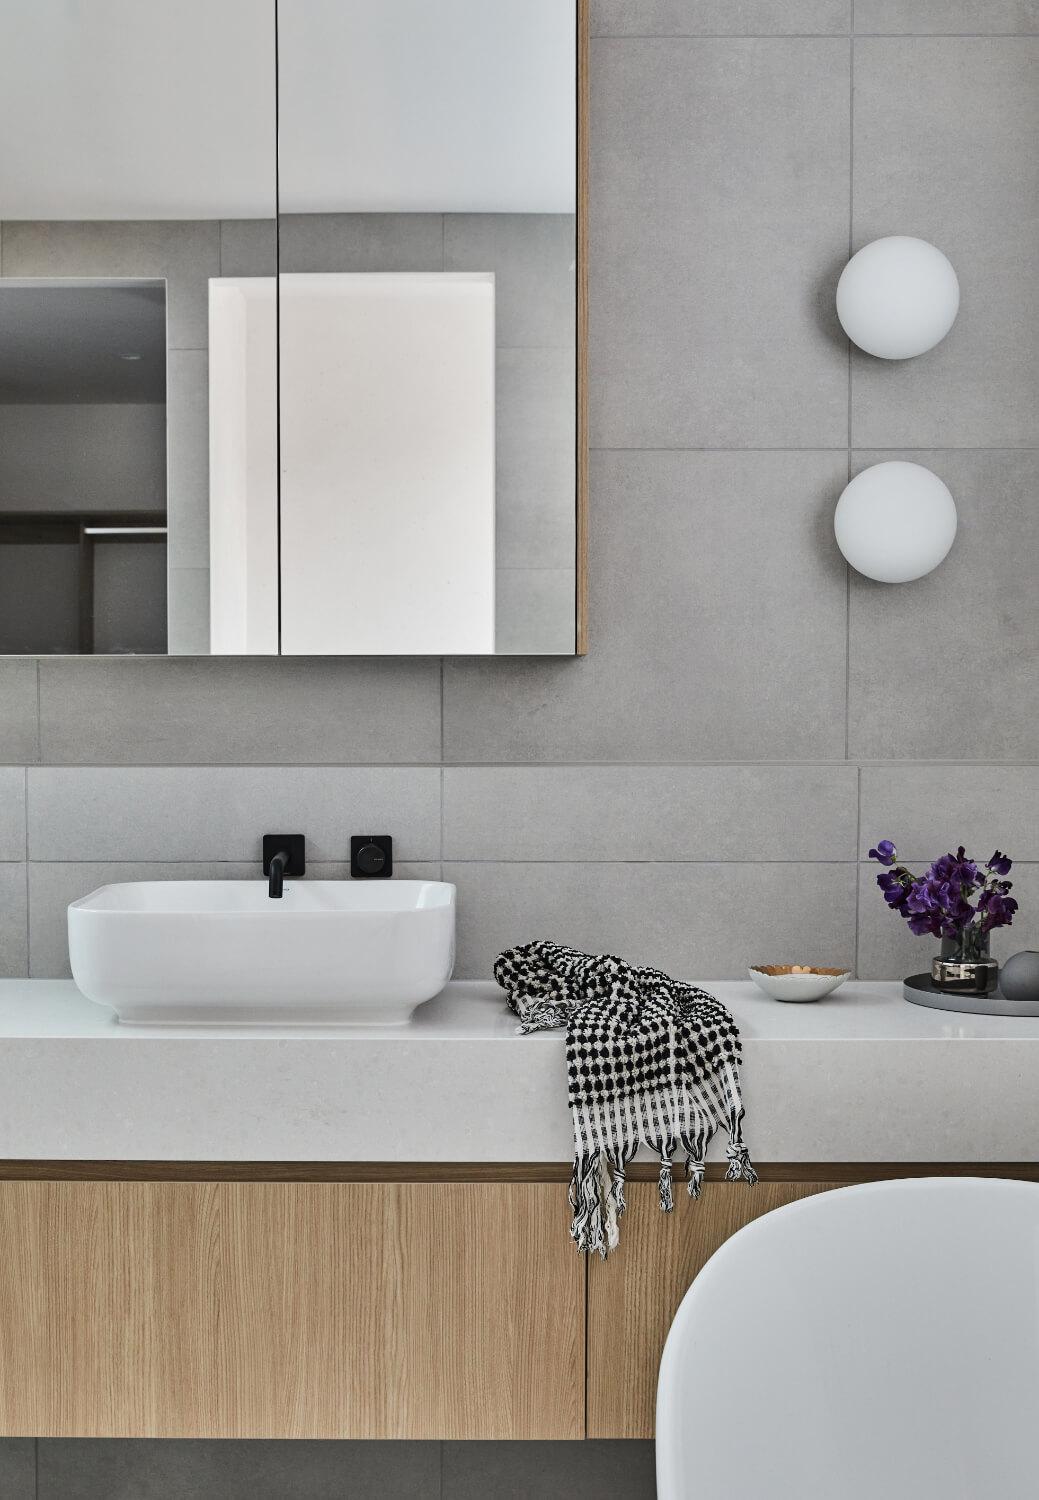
(89, 1469)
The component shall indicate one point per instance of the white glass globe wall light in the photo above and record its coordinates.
(895, 522)
(897, 298)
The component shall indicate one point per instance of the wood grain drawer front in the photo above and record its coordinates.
(633, 1296)
(222, 1309)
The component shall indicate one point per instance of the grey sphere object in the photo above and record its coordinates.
(1019, 976)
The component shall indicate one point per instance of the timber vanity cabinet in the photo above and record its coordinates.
(316, 1301)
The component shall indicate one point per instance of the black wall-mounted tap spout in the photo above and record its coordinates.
(283, 854)
(276, 871)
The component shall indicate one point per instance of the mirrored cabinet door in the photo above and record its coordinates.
(137, 174)
(428, 331)
(290, 341)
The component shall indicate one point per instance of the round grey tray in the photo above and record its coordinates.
(919, 990)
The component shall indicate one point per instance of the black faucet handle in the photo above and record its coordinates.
(294, 845)
(371, 856)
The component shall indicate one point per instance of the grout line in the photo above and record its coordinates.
(802, 36)
(39, 716)
(858, 883)
(498, 859)
(824, 448)
(789, 763)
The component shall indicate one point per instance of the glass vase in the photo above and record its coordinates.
(965, 966)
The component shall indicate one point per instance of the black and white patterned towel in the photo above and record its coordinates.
(649, 1059)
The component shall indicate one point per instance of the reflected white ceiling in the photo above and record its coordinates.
(164, 109)
(136, 109)
(427, 106)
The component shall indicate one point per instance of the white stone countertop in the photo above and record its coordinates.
(860, 1076)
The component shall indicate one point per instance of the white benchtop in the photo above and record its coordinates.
(844, 1079)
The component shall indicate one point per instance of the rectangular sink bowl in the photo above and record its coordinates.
(221, 952)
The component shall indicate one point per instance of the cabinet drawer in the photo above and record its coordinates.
(244, 1309)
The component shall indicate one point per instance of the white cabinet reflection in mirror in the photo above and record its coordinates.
(243, 466)
(387, 463)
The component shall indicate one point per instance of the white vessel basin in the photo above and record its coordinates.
(329, 952)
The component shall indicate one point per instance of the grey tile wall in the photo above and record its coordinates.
(100, 1469)
(967, 104)
(706, 783)
(84, 1469)
(18, 1468)
(718, 17)
(718, 621)
(719, 221)
(980, 608)
(947, 17)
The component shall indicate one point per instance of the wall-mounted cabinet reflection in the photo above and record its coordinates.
(289, 336)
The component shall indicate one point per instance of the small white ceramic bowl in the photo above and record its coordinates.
(781, 983)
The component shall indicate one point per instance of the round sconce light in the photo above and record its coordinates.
(898, 297)
(895, 522)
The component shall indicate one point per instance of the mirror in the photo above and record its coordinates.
(289, 335)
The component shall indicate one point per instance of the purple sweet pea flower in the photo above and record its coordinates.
(923, 922)
(997, 909)
(940, 901)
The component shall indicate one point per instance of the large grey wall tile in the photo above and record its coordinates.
(535, 466)
(185, 252)
(53, 886)
(361, 242)
(926, 810)
(182, 1469)
(188, 612)
(946, 17)
(533, 257)
(18, 1468)
(546, 1471)
(221, 812)
(888, 950)
(711, 277)
(248, 247)
(234, 710)
(717, 623)
(945, 668)
(718, 17)
(12, 812)
(648, 812)
(535, 611)
(14, 951)
(19, 741)
(698, 921)
(187, 420)
(944, 133)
